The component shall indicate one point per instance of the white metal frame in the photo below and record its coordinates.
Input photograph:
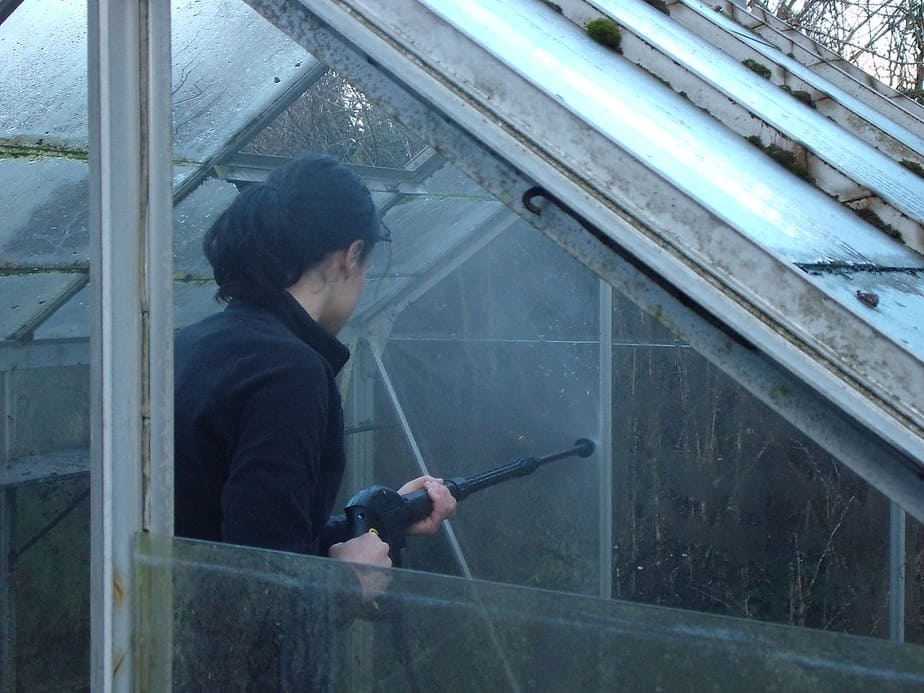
(131, 339)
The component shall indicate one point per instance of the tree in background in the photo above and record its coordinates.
(883, 37)
(335, 117)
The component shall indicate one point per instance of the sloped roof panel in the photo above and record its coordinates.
(43, 74)
(882, 118)
(228, 65)
(43, 212)
(859, 160)
(693, 151)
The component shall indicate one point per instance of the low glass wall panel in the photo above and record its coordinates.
(44, 528)
(246, 619)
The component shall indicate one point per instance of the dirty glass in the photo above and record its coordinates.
(913, 581)
(721, 506)
(284, 622)
(500, 360)
(44, 408)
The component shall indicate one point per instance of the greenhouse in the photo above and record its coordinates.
(681, 230)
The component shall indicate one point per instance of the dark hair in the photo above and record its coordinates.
(273, 231)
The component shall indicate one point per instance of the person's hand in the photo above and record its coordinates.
(366, 550)
(444, 505)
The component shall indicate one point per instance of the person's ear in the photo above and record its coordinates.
(355, 255)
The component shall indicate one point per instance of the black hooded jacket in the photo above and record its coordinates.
(259, 428)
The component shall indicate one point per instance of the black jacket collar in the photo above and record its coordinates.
(290, 312)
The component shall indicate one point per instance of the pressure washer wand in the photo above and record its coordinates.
(383, 510)
(463, 487)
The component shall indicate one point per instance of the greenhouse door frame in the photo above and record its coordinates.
(131, 340)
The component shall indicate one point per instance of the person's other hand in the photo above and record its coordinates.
(444, 505)
(370, 553)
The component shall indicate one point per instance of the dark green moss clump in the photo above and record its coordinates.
(913, 166)
(873, 219)
(800, 95)
(757, 68)
(606, 32)
(783, 157)
(787, 160)
(552, 5)
(35, 150)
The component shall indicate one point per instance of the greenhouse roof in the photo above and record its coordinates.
(772, 186)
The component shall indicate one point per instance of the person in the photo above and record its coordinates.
(259, 436)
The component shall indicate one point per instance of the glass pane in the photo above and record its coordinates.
(335, 117)
(44, 482)
(499, 361)
(44, 427)
(43, 42)
(273, 621)
(722, 506)
(914, 581)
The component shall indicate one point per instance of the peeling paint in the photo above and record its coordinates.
(118, 663)
(118, 592)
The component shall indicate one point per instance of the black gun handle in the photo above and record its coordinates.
(359, 521)
(417, 506)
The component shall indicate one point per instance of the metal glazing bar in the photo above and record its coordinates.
(157, 300)
(415, 449)
(7, 595)
(8, 425)
(897, 568)
(27, 331)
